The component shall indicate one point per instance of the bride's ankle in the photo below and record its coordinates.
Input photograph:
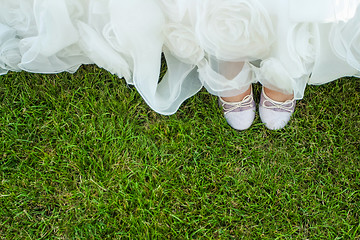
(278, 96)
(237, 98)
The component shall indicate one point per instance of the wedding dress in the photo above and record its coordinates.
(222, 45)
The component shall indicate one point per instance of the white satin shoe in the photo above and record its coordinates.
(239, 115)
(275, 114)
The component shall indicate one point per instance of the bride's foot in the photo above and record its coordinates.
(239, 111)
(275, 108)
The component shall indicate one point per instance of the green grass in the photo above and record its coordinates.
(83, 157)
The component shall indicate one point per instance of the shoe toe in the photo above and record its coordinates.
(240, 120)
(274, 120)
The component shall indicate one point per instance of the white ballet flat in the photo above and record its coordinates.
(275, 114)
(239, 115)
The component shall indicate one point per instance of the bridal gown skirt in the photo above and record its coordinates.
(222, 45)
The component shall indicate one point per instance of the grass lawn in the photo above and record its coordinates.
(83, 157)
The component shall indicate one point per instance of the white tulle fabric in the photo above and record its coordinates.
(222, 45)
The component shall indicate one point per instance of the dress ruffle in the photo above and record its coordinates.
(222, 45)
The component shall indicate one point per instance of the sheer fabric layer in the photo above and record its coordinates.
(222, 45)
